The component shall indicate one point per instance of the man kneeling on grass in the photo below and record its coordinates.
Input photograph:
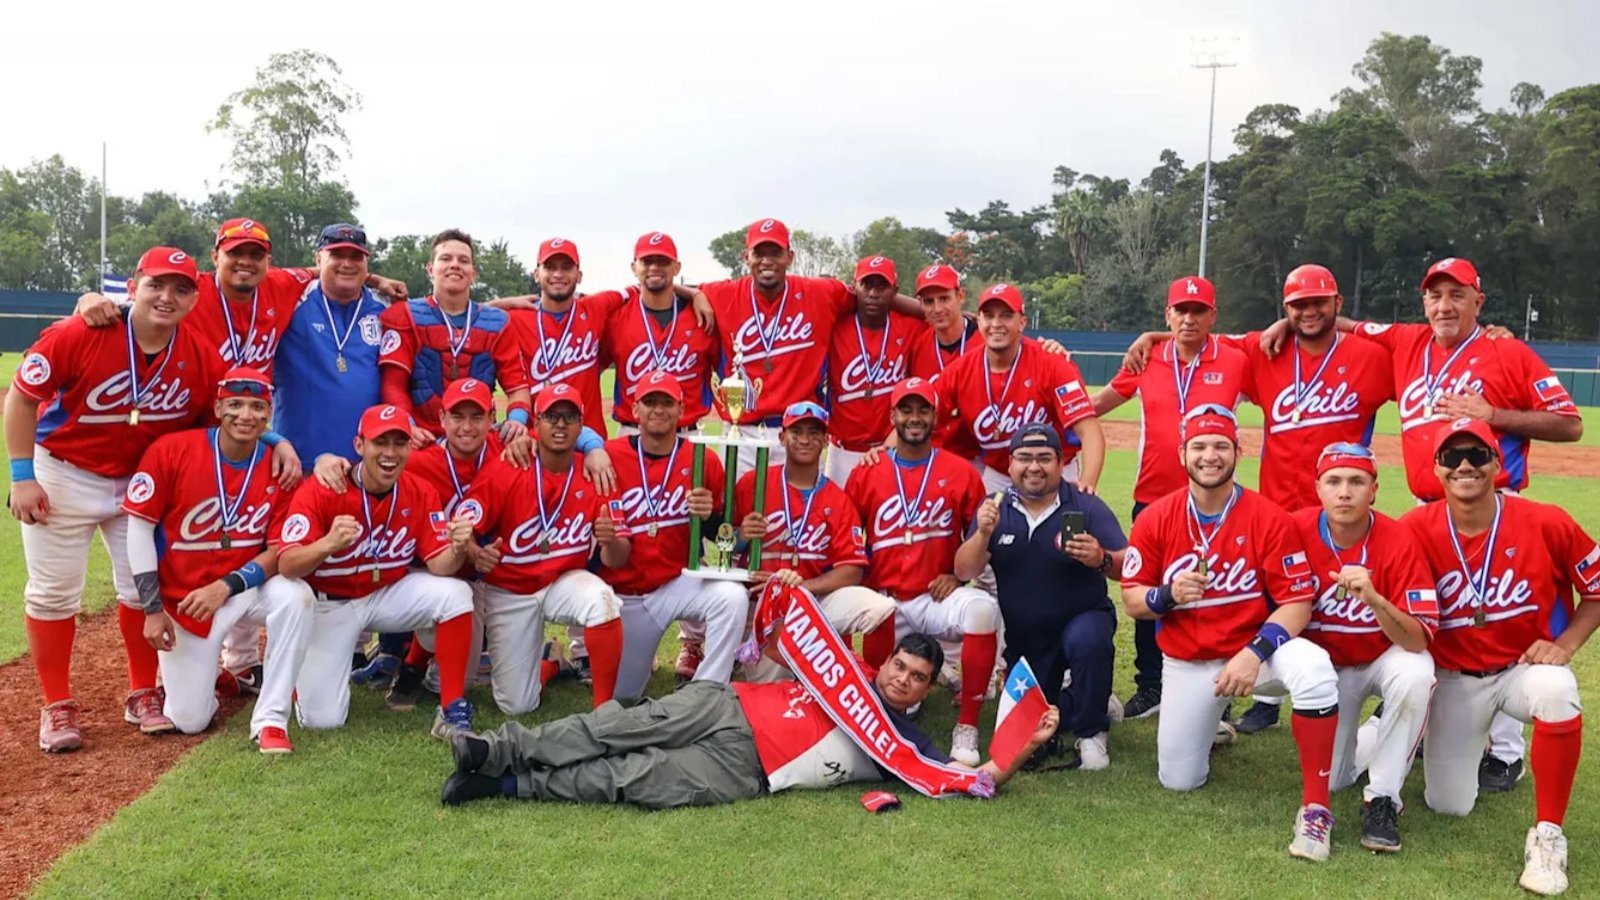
(709, 742)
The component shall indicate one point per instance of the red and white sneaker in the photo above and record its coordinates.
(692, 654)
(274, 740)
(58, 727)
(144, 710)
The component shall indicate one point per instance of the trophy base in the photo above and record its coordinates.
(742, 575)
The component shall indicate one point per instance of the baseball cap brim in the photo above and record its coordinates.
(232, 242)
(336, 246)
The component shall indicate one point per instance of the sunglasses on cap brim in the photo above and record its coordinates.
(1355, 451)
(249, 388)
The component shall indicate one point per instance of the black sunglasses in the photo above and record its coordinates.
(1475, 455)
(561, 418)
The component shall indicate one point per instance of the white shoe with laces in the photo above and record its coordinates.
(1093, 752)
(1313, 833)
(1544, 867)
(964, 745)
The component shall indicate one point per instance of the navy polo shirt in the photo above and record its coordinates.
(1038, 584)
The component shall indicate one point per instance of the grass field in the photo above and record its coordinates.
(356, 812)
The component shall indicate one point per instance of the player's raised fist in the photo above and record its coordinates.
(988, 516)
(342, 534)
(605, 528)
(1357, 580)
(461, 532)
(1188, 587)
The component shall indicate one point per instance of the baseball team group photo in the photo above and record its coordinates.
(1224, 531)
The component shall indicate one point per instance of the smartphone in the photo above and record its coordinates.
(1071, 524)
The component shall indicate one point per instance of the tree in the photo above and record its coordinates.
(728, 249)
(500, 274)
(1005, 245)
(911, 248)
(286, 126)
(817, 255)
(1430, 93)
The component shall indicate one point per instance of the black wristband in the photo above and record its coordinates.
(235, 583)
(149, 586)
(1105, 563)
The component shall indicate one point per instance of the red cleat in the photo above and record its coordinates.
(274, 740)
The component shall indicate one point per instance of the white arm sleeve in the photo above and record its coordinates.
(141, 545)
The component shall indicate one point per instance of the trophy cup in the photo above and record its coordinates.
(735, 392)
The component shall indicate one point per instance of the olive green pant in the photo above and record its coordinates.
(693, 747)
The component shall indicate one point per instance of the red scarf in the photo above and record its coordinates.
(823, 663)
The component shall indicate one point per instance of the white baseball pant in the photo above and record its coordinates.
(966, 611)
(720, 605)
(418, 600)
(1404, 681)
(57, 552)
(747, 454)
(840, 463)
(1190, 708)
(1458, 724)
(189, 669)
(850, 610)
(515, 631)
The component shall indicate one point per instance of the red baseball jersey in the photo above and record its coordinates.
(567, 348)
(504, 504)
(784, 340)
(248, 331)
(403, 525)
(863, 367)
(655, 511)
(929, 359)
(1255, 563)
(450, 476)
(914, 523)
(176, 490)
(1336, 398)
(1348, 629)
(1219, 377)
(434, 350)
(638, 344)
(81, 373)
(822, 536)
(1540, 556)
(1039, 387)
(1506, 372)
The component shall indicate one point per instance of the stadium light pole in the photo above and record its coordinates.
(1211, 51)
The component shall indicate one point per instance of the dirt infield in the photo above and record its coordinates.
(53, 802)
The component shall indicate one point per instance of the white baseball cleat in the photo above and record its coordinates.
(1544, 866)
(1224, 735)
(1313, 833)
(1114, 709)
(964, 745)
(1093, 753)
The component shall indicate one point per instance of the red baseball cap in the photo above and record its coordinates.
(168, 261)
(1192, 289)
(767, 231)
(938, 275)
(468, 390)
(557, 247)
(243, 381)
(1309, 281)
(656, 243)
(380, 420)
(914, 387)
(234, 232)
(876, 265)
(805, 409)
(1210, 419)
(658, 382)
(1475, 427)
(1456, 269)
(551, 394)
(1343, 455)
(1005, 293)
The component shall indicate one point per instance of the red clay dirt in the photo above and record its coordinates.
(52, 802)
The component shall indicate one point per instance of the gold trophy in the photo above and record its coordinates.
(736, 393)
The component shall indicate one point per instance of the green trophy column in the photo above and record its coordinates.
(761, 503)
(698, 452)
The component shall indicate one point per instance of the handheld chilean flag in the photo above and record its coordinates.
(1021, 705)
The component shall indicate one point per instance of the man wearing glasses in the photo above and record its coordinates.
(1506, 569)
(1225, 573)
(1375, 612)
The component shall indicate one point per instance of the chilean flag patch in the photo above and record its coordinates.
(1549, 388)
(1296, 566)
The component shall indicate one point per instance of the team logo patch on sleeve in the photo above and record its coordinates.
(472, 509)
(1549, 388)
(141, 488)
(859, 535)
(1588, 569)
(295, 528)
(35, 369)
(1132, 563)
(1296, 567)
(391, 342)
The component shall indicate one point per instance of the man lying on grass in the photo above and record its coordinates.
(709, 742)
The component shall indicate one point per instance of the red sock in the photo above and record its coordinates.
(548, 670)
(877, 645)
(142, 660)
(418, 656)
(50, 643)
(1314, 736)
(605, 655)
(977, 668)
(1554, 758)
(451, 641)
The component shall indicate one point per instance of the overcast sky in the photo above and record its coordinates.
(598, 121)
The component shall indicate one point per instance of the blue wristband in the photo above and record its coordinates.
(1160, 600)
(1268, 640)
(272, 439)
(21, 470)
(248, 576)
(588, 440)
(518, 415)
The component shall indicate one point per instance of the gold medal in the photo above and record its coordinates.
(455, 371)
(1295, 417)
(908, 538)
(544, 545)
(1200, 560)
(1427, 410)
(1341, 593)
(651, 530)
(227, 542)
(339, 363)
(794, 558)
(869, 393)
(376, 576)
(133, 416)
(1478, 619)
